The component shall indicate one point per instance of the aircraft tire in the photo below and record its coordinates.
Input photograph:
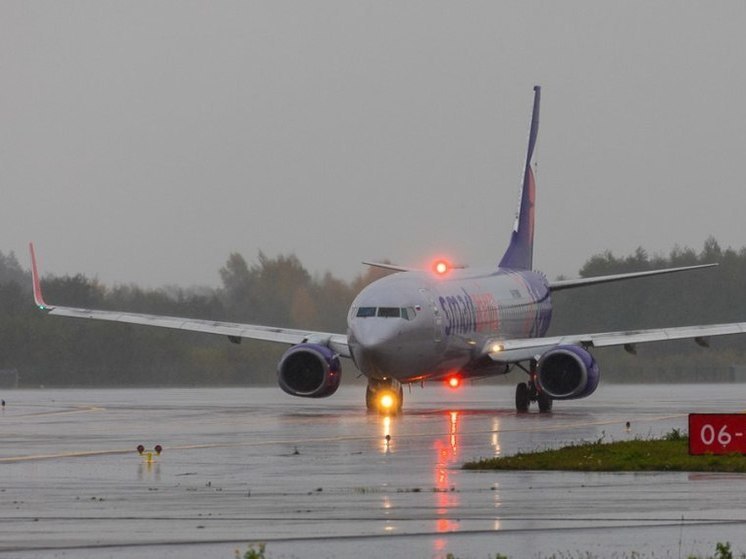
(522, 398)
(545, 402)
(370, 399)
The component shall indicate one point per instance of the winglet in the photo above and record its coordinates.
(520, 253)
(38, 297)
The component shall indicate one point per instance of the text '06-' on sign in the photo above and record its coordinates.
(717, 433)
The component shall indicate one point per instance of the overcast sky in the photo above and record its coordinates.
(145, 141)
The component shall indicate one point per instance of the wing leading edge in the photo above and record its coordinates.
(234, 331)
(511, 351)
(559, 285)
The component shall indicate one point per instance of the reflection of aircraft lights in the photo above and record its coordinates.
(496, 436)
(386, 433)
(498, 504)
(454, 430)
(446, 498)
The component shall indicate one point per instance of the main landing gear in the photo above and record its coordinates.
(384, 395)
(527, 392)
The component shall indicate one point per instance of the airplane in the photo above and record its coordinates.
(449, 323)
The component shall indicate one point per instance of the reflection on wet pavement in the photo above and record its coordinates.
(325, 478)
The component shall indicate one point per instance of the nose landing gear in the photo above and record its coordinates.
(384, 396)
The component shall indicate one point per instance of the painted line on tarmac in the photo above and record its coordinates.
(74, 454)
(77, 409)
(307, 441)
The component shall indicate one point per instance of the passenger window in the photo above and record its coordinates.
(389, 312)
(365, 312)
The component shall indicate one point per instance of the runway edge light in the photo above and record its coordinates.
(157, 449)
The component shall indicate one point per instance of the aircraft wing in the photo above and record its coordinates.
(511, 351)
(234, 331)
(559, 285)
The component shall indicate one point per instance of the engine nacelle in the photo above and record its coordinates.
(567, 373)
(310, 371)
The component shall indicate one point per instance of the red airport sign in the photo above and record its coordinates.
(717, 433)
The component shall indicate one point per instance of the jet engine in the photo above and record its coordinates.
(567, 373)
(310, 371)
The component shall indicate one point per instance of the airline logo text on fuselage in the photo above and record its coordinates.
(470, 313)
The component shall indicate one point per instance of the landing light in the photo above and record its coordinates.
(496, 348)
(388, 402)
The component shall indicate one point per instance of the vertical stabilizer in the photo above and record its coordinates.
(520, 253)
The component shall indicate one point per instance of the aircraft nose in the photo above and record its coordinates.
(374, 346)
(373, 334)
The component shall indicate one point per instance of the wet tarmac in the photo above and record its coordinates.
(317, 478)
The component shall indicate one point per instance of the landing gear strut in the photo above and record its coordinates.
(384, 395)
(527, 392)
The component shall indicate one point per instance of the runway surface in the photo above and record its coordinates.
(317, 478)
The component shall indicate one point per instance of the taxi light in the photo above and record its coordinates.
(386, 402)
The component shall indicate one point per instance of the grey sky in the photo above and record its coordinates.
(145, 141)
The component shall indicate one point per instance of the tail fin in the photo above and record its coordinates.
(520, 253)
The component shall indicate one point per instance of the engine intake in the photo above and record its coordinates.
(310, 371)
(567, 373)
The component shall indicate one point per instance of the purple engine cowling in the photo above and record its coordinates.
(310, 371)
(567, 372)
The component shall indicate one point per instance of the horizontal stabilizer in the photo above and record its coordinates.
(392, 267)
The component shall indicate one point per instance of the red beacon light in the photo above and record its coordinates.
(453, 381)
(441, 267)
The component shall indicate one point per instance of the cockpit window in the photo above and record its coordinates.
(389, 312)
(408, 313)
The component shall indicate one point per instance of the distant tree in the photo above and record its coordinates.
(74, 291)
(11, 271)
(369, 276)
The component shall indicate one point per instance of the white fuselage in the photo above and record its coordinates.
(414, 326)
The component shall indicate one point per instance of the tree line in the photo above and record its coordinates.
(279, 291)
(708, 296)
(52, 351)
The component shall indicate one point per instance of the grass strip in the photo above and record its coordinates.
(670, 454)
